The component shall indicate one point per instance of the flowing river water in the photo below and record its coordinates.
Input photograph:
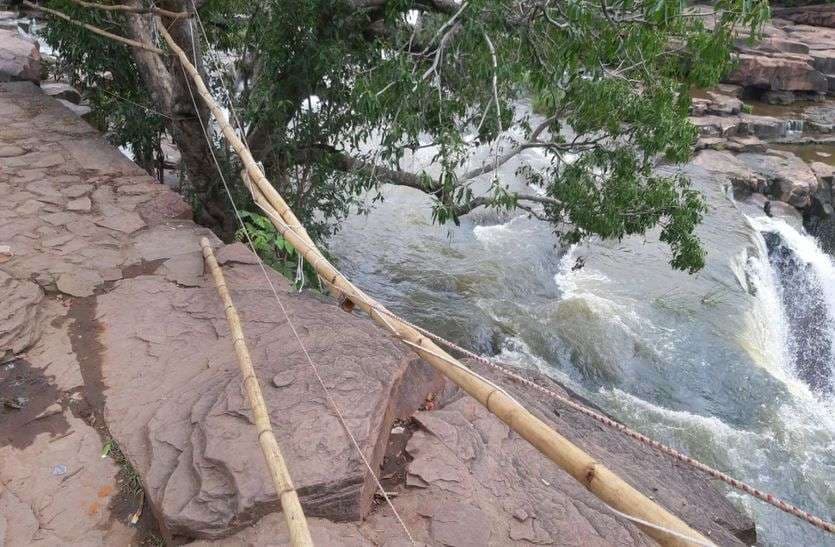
(732, 365)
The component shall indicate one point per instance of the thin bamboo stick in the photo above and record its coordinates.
(292, 509)
(94, 29)
(132, 9)
(602, 482)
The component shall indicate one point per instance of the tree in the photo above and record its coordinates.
(315, 81)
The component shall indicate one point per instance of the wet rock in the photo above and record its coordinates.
(19, 325)
(786, 212)
(20, 59)
(61, 90)
(763, 127)
(822, 199)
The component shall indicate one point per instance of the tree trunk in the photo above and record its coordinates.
(166, 82)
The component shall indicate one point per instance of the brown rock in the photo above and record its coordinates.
(521, 492)
(164, 206)
(76, 190)
(80, 283)
(19, 327)
(125, 222)
(737, 172)
(82, 205)
(819, 15)
(747, 144)
(790, 179)
(782, 73)
(236, 253)
(460, 525)
(179, 413)
(823, 171)
(19, 58)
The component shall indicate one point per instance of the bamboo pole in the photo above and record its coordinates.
(93, 29)
(598, 479)
(292, 509)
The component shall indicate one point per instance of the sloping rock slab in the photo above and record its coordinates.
(472, 482)
(175, 401)
(489, 474)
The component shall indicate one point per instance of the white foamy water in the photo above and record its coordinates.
(768, 324)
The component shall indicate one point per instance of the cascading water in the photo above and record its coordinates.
(805, 277)
(700, 362)
(794, 127)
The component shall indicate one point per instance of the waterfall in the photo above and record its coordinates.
(793, 127)
(794, 282)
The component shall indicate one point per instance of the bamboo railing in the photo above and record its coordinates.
(602, 482)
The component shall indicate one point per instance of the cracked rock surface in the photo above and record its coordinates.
(114, 329)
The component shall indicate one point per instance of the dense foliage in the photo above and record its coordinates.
(335, 93)
(105, 70)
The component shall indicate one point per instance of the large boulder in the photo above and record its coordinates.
(790, 178)
(777, 73)
(20, 58)
(174, 398)
(727, 165)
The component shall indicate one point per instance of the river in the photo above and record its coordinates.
(716, 364)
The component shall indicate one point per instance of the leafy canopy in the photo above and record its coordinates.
(317, 81)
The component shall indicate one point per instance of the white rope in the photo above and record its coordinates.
(313, 366)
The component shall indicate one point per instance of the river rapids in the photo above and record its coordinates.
(734, 365)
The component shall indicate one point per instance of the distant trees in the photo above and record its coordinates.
(316, 80)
